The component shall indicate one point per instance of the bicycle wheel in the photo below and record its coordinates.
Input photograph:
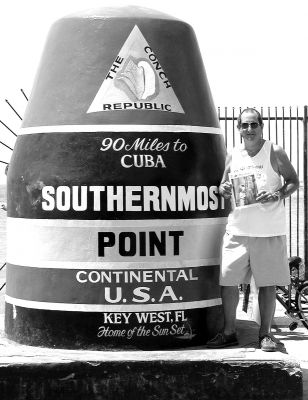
(301, 301)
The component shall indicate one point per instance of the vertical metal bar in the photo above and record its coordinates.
(240, 135)
(233, 127)
(297, 192)
(283, 136)
(219, 119)
(276, 125)
(290, 198)
(269, 122)
(283, 130)
(305, 155)
(290, 133)
(226, 125)
(261, 112)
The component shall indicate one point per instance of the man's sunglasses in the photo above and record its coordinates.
(253, 125)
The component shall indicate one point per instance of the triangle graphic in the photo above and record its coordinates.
(136, 81)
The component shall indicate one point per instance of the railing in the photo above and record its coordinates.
(287, 127)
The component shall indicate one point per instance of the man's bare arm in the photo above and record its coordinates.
(282, 165)
(287, 171)
(225, 186)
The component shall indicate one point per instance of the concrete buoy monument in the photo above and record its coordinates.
(114, 218)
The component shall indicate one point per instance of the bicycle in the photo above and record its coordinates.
(294, 297)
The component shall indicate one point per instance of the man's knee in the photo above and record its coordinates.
(229, 291)
(267, 289)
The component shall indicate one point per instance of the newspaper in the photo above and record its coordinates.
(244, 189)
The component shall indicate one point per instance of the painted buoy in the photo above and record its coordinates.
(114, 217)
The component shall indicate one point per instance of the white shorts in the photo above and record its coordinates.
(263, 257)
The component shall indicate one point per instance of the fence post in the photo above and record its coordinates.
(305, 156)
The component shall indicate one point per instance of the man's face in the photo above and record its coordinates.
(250, 129)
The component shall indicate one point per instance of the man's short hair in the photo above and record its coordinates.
(239, 119)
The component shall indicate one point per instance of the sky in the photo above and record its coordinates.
(255, 53)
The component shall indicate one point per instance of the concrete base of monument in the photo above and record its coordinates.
(243, 372)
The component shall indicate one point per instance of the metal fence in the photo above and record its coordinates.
(287, 127)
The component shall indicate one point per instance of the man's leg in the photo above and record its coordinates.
(267, 303)
(234, 269)
(230, 299)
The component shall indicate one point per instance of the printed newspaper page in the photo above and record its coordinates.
(244, 189)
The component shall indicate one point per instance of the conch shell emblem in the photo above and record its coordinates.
(140, 79)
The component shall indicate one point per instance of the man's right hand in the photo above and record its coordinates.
(225, 190)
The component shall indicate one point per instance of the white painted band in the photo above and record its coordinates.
(34, 242)
(118, 128)
(112, 307)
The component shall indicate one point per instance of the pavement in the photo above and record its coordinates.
(292, 343)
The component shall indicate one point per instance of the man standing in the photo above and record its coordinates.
(255, 239)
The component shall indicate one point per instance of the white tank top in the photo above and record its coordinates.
(267, 219)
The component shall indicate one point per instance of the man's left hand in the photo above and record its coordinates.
(264, 197)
